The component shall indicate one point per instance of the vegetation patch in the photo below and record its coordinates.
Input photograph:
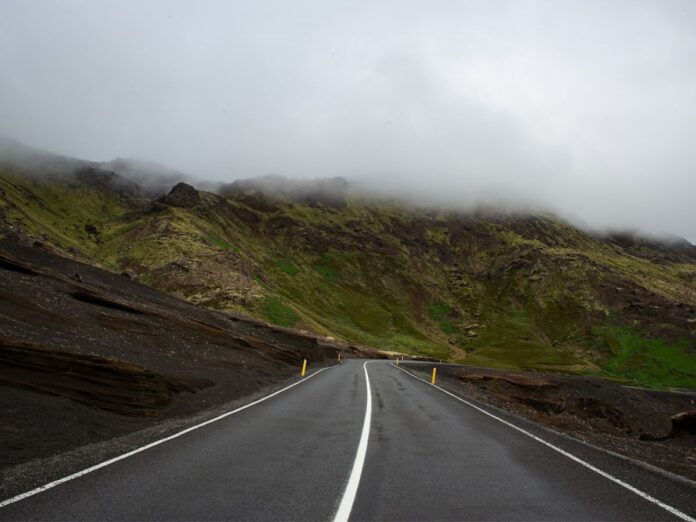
(287, 266)
(277, 312)
(440, 313)
(330, 265)
(221, 243)
(653, 363)
(508, 339)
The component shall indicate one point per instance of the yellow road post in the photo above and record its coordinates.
(432, 381)
(304, 367)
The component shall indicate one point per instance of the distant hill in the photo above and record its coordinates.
(154, 180)
(482, 287)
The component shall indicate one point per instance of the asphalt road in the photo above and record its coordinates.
(427, 456)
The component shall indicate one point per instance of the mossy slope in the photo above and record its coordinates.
(528, 292)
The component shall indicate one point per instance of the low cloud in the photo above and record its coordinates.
(583, 107)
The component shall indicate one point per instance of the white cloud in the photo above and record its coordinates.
(585, 106)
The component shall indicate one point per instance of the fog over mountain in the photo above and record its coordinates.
(587, 108)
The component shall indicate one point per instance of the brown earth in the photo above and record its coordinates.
(656, 427)
(87, 355)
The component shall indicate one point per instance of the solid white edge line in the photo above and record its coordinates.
(151, 445)
(346, 506)
(604, 474)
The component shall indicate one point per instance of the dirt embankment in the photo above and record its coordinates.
(107, 384)
(653, 426)
(86, 355)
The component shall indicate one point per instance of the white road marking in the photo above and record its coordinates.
(348, 499)
(151, 445)
(606, 475)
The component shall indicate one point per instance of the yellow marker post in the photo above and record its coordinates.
(397, 360)
(304, 367)
(432, 381)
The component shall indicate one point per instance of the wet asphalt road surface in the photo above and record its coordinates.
(428, 457)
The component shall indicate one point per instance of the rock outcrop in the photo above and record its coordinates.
(182, 195)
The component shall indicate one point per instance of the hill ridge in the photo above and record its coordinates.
(492, 289)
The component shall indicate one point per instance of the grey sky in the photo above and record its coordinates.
(586, 107)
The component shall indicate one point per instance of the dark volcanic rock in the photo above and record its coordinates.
(106, 180)
(182, 195)
(656, 249)
(154, 180)
(684, 422)
(107, 384)
(263, 193)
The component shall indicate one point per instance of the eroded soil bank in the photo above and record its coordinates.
(87, 355)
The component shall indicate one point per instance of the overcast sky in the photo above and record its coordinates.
(586, 107)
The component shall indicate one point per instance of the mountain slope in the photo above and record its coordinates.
(103, 356)
(485, 288)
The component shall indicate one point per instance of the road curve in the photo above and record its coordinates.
(427, 456)
(432, 457)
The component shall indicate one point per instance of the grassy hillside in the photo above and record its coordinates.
(527, 292)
